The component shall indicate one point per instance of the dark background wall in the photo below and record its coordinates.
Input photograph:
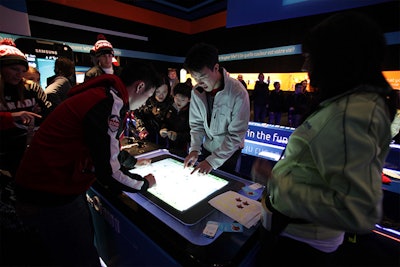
(228, 40)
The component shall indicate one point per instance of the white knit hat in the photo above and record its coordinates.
(102, 46)
(10, 54)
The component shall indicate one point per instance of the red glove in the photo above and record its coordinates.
(385, 179)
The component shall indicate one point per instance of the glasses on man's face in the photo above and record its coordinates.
(200, 77)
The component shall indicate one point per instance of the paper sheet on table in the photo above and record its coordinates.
(240, 208)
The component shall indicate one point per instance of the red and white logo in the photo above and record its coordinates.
(113, 123)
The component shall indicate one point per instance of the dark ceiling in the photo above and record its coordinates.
(174, 43)
(183, 9)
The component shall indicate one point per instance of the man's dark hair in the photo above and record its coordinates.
(345, 50)
(64, 67)
(183, 89)
(199, 56)
(141, 72)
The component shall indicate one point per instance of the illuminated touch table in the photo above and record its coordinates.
(132, 230)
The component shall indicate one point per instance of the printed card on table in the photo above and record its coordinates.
(242, 209)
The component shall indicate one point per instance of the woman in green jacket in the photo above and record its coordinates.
(328, 181)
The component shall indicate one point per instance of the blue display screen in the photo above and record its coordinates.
(266, 140)
(269, 142)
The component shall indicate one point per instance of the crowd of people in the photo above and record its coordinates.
(56, 141)
(276, 106)
(280, 107)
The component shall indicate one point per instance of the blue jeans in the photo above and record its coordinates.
(275, 117)
(260, 113)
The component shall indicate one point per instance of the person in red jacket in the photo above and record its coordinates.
(77, 144)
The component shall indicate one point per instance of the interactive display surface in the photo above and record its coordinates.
(183, 195)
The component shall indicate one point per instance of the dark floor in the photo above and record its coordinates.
(370, 250)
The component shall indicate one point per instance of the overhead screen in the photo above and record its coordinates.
(241, 13)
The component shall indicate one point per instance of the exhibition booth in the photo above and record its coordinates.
(197, 220)
(207, 220)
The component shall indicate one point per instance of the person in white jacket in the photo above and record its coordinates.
(219, 113)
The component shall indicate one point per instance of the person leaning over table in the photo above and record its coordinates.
(219, 113)
(77, 144)
(329, 179)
